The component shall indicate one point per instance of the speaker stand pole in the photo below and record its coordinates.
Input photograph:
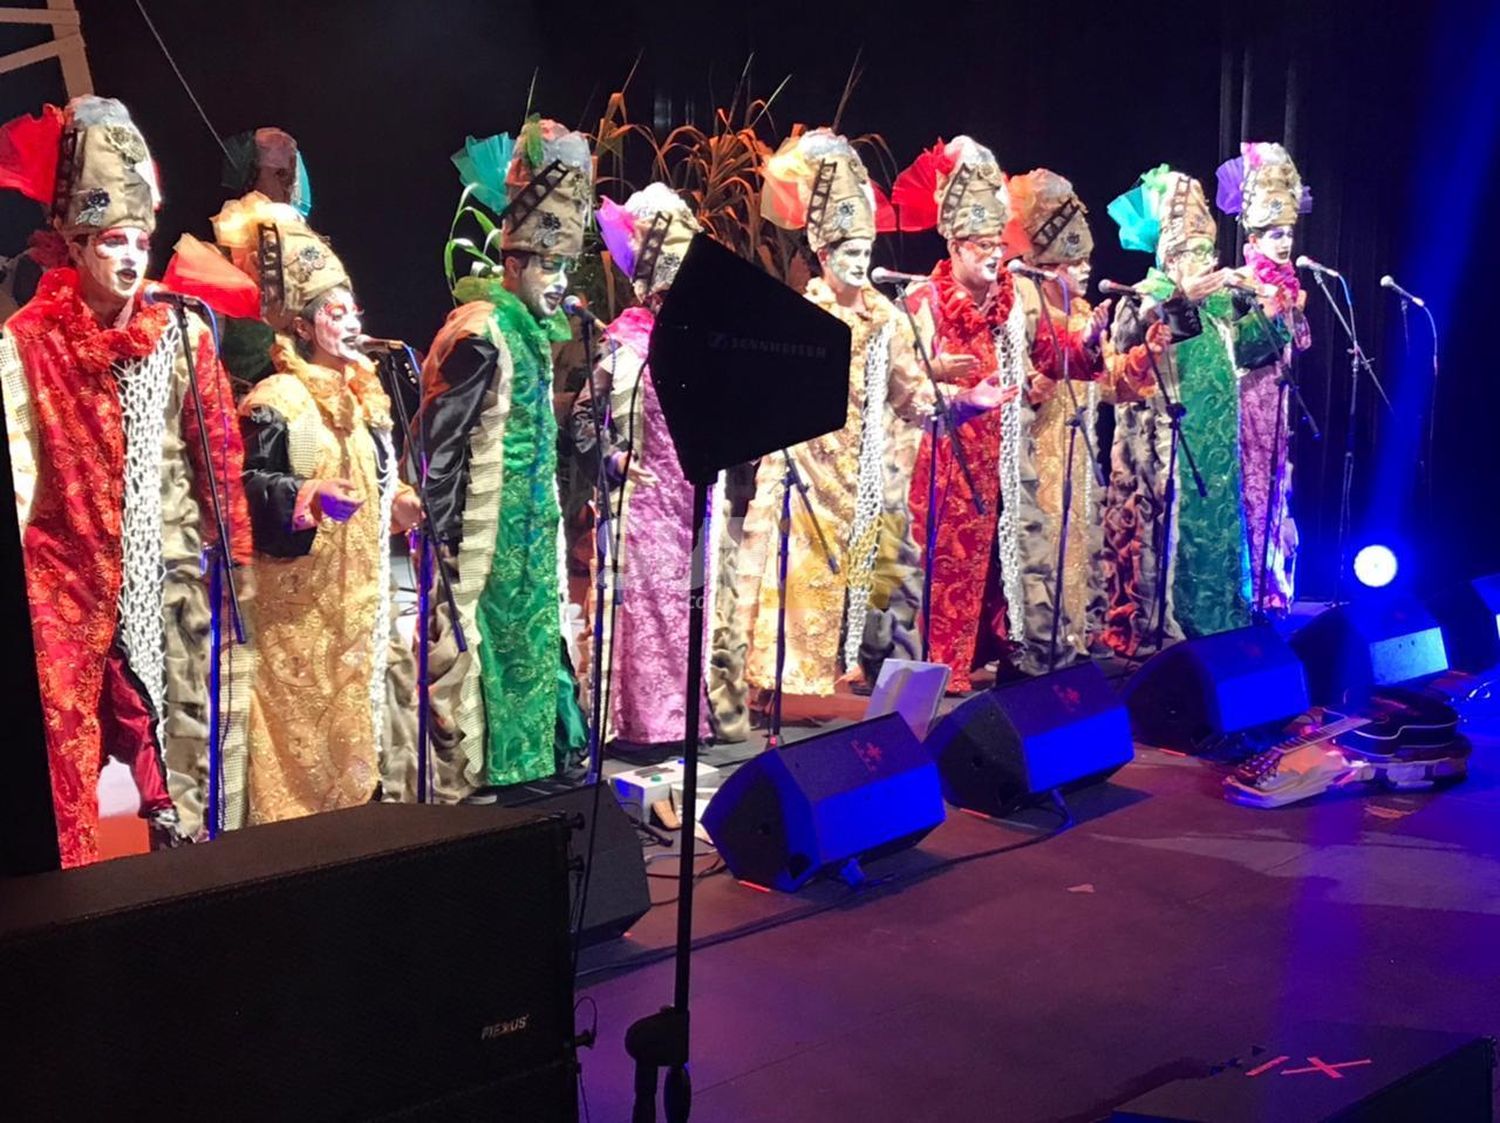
(660, 1040)
(791, 481)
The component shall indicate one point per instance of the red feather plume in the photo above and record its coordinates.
(28, 154)
(197, 269)
(914, 194)
(885, 214)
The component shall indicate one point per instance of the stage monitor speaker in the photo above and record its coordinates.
(1352, 648)
(1214, 685)
(815, 806)
(382, 962)
(1469, 615)
(618, 892)
(1006, 747)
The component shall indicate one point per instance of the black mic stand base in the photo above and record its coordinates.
(660, 1041)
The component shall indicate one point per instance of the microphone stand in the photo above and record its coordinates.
(942, 421)
(218, 559)
(791, 480)
(1176, 411)
(1075, 426)
(1357, 360)
(417, 453)
(1432, 399)
(604, 521)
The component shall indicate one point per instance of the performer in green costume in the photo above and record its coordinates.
(505, 711)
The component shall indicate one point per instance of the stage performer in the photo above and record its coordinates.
(979, 333)
(1262, 187)
(1051, 232)
(111, 485)
(646, 615)
(505, 711)
(1208, 574)
(817, 182)
(268, 161)
(324, 497)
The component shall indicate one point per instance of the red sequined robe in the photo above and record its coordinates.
(70, 365)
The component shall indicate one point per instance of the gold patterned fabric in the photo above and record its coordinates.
(318, 619)
(823, 606)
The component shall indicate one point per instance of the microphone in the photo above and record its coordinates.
(167, 296)
(1115, 288)
(882, 276)
(369, 345)
(1389, 282)
(577, 306)
(1305, 262)
(1018, 267)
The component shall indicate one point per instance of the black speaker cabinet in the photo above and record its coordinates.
(1470, 618)
(1008, 746)
(618, 895)
(1377, 642)
(813, 806)
(1214, 685)
(387, 961)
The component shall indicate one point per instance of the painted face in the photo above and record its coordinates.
(112, 262)
(976, 261)
(543, 282)
(1275, 242)
(1192, 260)
(1078, 274)
(849, 261)
(337, 324)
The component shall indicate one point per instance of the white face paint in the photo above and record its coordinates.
(1078, 274)
(1193, 260)
(1275, 242)
(848, 263)
(976, 261)
(543, 282)
(336, 325)
(112, 263)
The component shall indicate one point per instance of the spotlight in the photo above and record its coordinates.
(1375, 566)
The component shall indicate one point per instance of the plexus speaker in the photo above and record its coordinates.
(387, 961)
(1214, 685)
(817, 805)
(1008, 746)
(1376, 642)
(617, 892)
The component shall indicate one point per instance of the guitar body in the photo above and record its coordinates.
(1403, 721)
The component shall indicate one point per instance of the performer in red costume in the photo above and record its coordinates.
(106, 457)
(979, 332)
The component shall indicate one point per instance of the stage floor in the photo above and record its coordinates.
(1166, 930)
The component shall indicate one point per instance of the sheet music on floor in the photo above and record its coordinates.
(912, 689)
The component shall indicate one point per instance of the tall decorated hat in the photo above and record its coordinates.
(270, 243)
(1050, 223)
(817, 181)
(648, 235)
(1164, 211)
(87, 164)
(957, 188)
(1261, 185)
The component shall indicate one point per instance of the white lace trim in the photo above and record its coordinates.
(870, 490)
(145, 390)
(1010, 350)
(380, 640)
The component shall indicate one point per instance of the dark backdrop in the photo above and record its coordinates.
(1382, 105)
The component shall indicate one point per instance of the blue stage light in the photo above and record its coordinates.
(1375, 566)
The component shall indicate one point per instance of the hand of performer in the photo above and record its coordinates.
(406, 511)
(621, 463)
(948, 366)
(1098, 327)
(1197, 288)
(338, 500)
(1158, 338)
(985, 396)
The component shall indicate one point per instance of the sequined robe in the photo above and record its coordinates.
(978, 602)
(827, 613)
(1046, 413)
(114, 507)
(646, 614)
(321, 608)
(502, 710)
